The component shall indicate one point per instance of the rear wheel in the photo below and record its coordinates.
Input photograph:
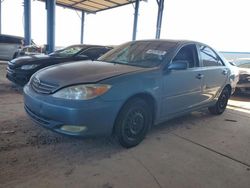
(221, 103)
(133, 122)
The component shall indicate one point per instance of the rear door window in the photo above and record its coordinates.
(209, 57)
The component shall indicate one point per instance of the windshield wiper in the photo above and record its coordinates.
(114, 62)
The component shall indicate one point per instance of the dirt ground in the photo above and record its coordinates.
(197, 150)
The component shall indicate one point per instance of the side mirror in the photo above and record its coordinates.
(178, 65)
(232, 63)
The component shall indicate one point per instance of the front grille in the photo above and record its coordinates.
(11, 65)
(42, 87)
(9, 70)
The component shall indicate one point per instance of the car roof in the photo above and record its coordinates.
(11, 36)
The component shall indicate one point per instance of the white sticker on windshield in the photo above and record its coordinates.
(156, 52)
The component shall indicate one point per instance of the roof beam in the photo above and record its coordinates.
(88, 5)
(99, 3)
(82, 3)
(112, 2)
(77, 3)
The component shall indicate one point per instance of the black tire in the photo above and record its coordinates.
(133, 122)
(221, 103)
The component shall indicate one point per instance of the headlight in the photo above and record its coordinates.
(82, 92)
(28, 67)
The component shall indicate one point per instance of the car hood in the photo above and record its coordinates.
(82, 72)
(244, 71)
(32, 59)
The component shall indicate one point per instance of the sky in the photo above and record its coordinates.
(222, 24)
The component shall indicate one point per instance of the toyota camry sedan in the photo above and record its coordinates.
(20, 69)
(129, 89)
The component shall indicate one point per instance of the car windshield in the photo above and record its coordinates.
(139, 53)
(244, 63)
(68, 51)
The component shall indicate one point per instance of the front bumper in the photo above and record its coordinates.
(19, 77)
(243, 87)
(96, 115)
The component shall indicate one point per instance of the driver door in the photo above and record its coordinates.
(182, 88)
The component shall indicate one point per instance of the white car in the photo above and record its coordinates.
(10, 46)
(243, 65)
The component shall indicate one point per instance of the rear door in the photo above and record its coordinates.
(215, 73)
(182, 88)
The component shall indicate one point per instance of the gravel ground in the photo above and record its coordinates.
(197, 150)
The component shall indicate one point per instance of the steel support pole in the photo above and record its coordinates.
(137, 3)
(27, 22)
(82, 26)
(159, 18)
(0, 16)
(51, 14)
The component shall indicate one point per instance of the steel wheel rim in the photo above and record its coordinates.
(134, 124)
(223, 101)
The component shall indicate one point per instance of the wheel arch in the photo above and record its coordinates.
(229, 87)
(147, 97)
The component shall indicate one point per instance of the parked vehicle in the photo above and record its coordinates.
(234, 72)
(20, 70)
(244, 69)
(12, 47)
(9, 45)
(30, 50)
(129, 89)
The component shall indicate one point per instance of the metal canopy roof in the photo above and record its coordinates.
(92, 6)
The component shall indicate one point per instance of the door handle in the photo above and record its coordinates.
(224, 72)
(199, 76)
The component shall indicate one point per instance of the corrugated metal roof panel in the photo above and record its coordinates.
(92, 6)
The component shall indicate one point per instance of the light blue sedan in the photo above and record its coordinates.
(129, 89)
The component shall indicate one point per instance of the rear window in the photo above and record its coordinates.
(209, 57)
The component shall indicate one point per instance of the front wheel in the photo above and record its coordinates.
(221, 103)
(133, 122)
